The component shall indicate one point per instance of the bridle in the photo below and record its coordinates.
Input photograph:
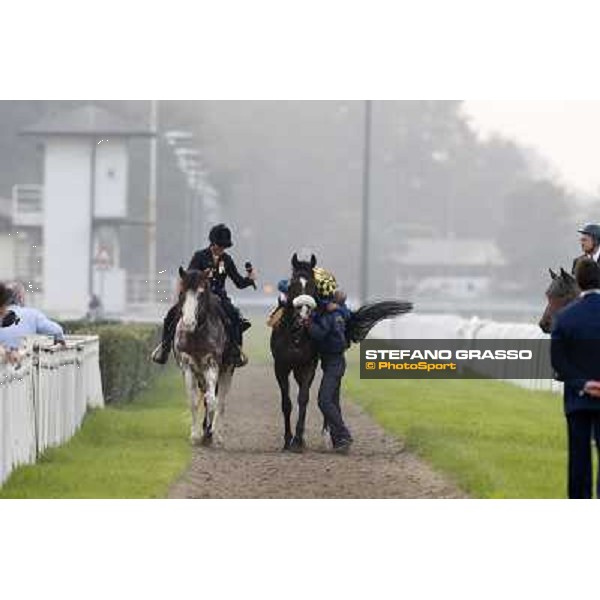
(200, 298)
(300, 306)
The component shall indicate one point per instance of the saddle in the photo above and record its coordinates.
(275, 317)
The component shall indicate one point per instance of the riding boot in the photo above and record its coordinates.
(236, 356)
(160, 354)
(241, 359)
(234, 325)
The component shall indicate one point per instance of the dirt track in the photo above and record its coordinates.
(250, 463)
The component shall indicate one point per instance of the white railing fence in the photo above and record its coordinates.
(44, 398)
(416, 326)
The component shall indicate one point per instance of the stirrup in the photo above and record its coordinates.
(238, 358)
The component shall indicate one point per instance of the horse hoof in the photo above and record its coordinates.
(196, 440)
(297, 445)
(207, 439)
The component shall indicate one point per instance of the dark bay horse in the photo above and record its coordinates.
(199, 347)
(561, 291)
(293, 350)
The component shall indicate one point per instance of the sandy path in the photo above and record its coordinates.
(250, 463)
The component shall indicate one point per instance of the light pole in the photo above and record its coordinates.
(152, 188)
(197, 181)
(200, 199)
(186, 159)
(364, 264)
(178, 139)
(94, 144)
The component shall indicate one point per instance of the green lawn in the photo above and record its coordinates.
(257, 338)
(494, 439)
(130, 451)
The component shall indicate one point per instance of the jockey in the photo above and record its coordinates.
(590, 243)
(221, 266)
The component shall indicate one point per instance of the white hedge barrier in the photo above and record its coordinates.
(44, 398)
(416, 327)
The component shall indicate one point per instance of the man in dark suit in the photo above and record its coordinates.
(575, 353)
(590, 243)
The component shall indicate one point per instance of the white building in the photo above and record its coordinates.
(84, 202)
(447, 267)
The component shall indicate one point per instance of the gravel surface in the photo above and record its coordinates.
(249, 463)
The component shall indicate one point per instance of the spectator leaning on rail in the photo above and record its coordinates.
(6, 320)
(574, 350)
(27, 321)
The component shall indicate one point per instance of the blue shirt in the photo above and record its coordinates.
(32, 322)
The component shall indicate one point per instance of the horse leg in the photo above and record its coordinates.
(211, 376)
(282, 374)
(304, 378)
(325, 433)
(223, 387)
(191, 385)
(222, 390)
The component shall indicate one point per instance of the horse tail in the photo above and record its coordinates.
(367, 316)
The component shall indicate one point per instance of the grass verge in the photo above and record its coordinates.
(132, 450)
(494, 439)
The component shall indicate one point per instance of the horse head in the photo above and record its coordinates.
(561, 291)
(195, 288)
(302, 292)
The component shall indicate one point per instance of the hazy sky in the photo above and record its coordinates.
(567, 133)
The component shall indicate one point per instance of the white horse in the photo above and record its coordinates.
(199, 348)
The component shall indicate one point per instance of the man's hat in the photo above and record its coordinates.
(220, 235)
(591, 229)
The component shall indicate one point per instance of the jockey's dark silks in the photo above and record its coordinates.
(222, 267)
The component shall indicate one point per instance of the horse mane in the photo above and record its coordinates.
(562, 284)
(193, 279)
(212, 300)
